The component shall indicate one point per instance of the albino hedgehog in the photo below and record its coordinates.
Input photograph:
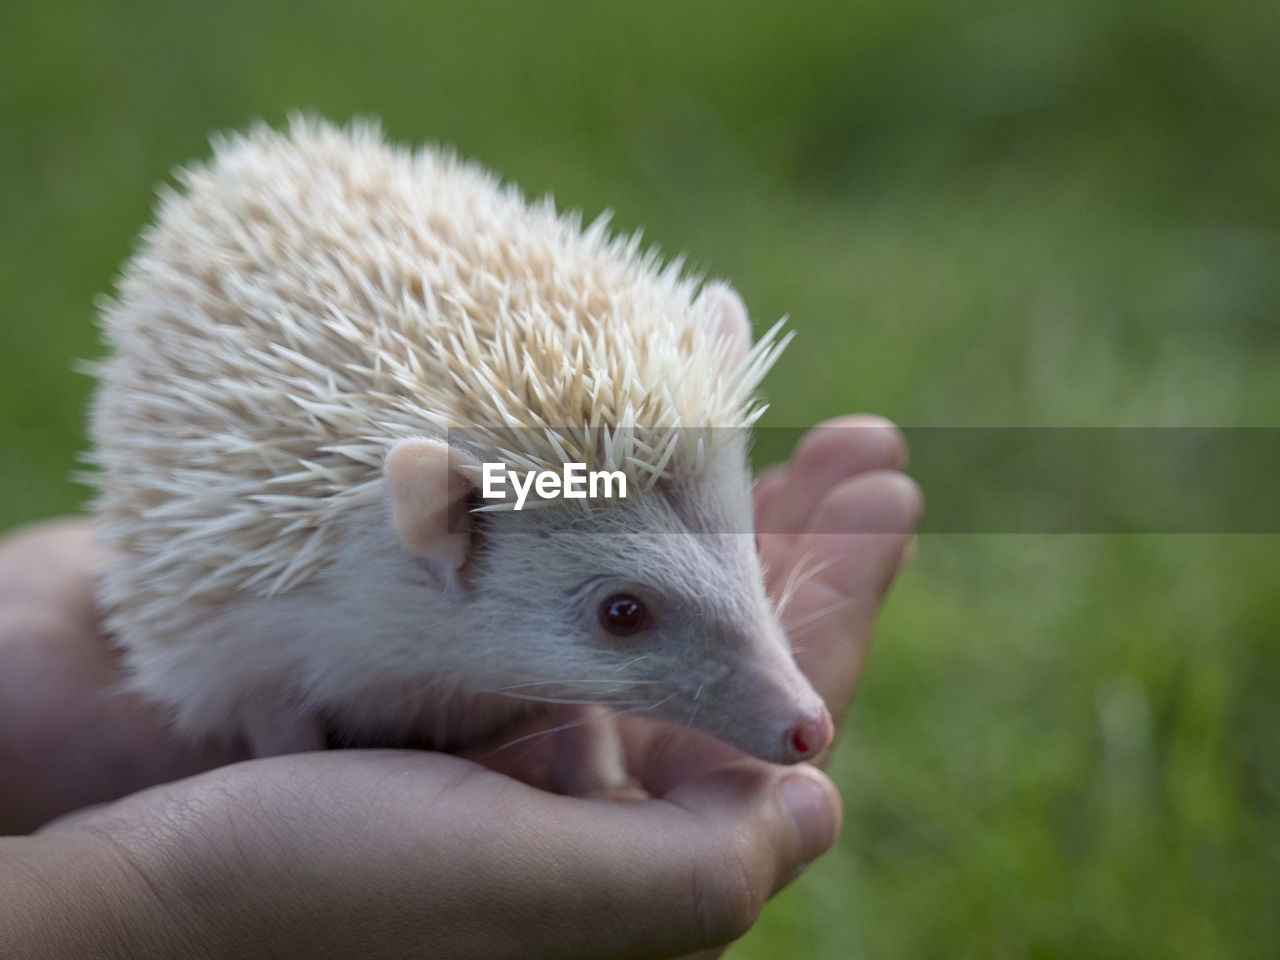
(315, 348)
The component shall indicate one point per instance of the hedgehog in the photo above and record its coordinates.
(318, 345)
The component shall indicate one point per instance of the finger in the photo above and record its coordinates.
(661, 756)
(51, 561)
(857, 540)
(769, 482)
(68, 737)
(828, 454)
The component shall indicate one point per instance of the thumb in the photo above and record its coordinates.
(715, 848)
(753, 830)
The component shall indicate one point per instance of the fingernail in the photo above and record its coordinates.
(808, 803)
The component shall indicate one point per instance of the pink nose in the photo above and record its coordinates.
(810, 736)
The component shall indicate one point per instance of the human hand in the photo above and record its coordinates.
(379, 853)
(68, 738)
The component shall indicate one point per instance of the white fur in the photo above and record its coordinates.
(314, 297)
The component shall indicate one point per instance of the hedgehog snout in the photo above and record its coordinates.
(810, 734)
(769, 710)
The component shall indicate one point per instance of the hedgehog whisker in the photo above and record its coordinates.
(629, 711)
(789, 585)
(696, 704)
(631, 662)
(801, 573)
(566, 700)
(796, 627)
(647, 707)
(544, 683)
(581, 721)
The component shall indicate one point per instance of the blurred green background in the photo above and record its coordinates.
(977, 213)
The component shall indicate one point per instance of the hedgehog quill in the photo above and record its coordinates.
(317, 347)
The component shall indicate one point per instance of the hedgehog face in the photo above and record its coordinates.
(649, 608)
(654, 605)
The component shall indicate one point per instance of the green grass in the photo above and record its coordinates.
(985, 213)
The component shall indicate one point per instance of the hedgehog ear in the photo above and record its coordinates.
(429, 501)
(728, 311)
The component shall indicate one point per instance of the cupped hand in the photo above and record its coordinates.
(399, 853)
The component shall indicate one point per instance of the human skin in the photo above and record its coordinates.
(163, 849)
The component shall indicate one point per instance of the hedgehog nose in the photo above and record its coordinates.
(810, 735)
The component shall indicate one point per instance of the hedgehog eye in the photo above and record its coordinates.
(623, 614)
